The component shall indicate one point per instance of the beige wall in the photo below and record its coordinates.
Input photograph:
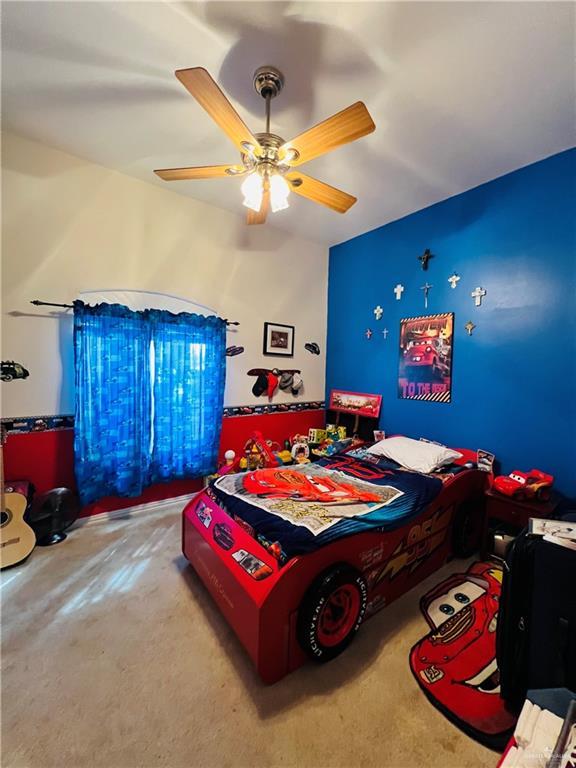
(71, 226)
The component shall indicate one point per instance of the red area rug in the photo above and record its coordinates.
(455, 663)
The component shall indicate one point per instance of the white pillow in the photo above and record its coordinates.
(415, 454)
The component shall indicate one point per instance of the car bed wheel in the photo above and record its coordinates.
(467, 527)
(331, 612)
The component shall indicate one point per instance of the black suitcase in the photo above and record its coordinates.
(536, 633)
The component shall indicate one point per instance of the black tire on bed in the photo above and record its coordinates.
(331, 612)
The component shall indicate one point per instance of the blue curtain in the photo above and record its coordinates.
(112, 422)
(189, 371)
(149, 397)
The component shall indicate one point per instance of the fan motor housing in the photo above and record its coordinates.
(268, 81)
(270, 144)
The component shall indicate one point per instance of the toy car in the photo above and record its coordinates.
(12, 370)
(525, 485)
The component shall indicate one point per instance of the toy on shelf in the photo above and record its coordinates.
(228, 465)
(258, 453)
(331, 446)
(284, 456)
(335, 432)
(534, 485)
(254, 456)
(327, 442)
(316, 435)
(300, 449)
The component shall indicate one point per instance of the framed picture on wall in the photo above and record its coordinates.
(278, 340)
(425, 365)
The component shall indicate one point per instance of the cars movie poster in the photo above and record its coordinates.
(425, 369)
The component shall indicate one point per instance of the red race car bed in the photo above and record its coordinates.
(297, 558)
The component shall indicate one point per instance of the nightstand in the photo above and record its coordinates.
(512, 512)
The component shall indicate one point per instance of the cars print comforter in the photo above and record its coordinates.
(288, 528)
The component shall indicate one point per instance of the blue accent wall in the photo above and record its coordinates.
(514, 379)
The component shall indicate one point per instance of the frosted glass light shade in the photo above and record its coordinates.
(253, 190)
(279, 191)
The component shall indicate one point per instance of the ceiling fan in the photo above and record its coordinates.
(267, 160)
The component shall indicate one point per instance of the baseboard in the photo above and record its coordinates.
(137, 509)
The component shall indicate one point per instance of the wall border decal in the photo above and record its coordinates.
(27, 424)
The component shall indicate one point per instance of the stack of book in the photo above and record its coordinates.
(559, 532)
(542, 739)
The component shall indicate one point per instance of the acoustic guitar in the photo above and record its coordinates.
(17, 539)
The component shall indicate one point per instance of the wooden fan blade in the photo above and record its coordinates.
(200, 172)
(207, 93)
(346, 126)
(320, 192)
(259, 217)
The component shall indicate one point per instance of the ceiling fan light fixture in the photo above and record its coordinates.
(253, 190)
(290, 155)
(279, 191)
(248, 148)
(267, 160)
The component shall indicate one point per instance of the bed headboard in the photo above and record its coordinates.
(359, 412)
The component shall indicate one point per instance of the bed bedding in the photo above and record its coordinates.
(405, 494)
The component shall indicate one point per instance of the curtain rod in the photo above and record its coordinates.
(38, 303)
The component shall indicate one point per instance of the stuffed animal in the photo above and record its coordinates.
(533, 485)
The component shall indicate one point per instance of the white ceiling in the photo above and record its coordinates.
(460, 92)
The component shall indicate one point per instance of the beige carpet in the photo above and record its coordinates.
(114, 655)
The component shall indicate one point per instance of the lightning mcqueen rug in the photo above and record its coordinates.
(455, 664)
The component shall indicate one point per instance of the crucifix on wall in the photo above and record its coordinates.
(425, 288)
(425, 258)
(399, 290)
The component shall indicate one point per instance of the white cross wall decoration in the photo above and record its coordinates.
(453, 280)
(378, 312)
(385, 333)
(399, 290)
(478, 294)
(368, 333)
